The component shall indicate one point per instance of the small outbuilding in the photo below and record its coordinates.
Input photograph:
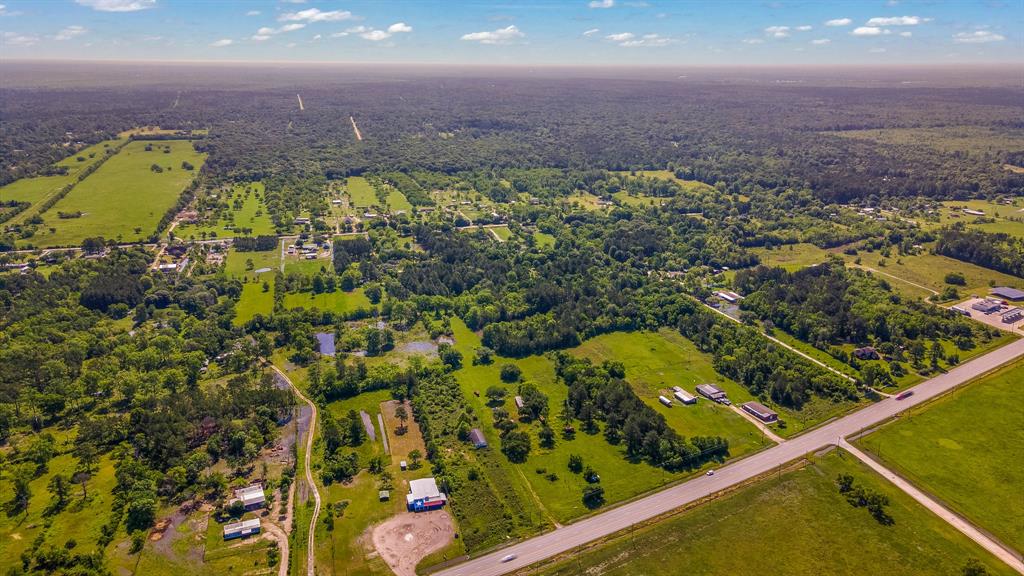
(252, 497)
(664, 400)
(987, 306)
(683, 396)
(866, 353)
(477, 438)
(761, 412)
(242, 529)
(384, 495)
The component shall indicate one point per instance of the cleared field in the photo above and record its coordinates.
(792, 256)
(37, 189)
(966, 448)
(946, 139)
(361, 194)
(397, 201)
(621, 477)
(124, 199)
(250, 214)
(584, 200)
(339, 302)
(823, 534)
(254, 299)
(638, 199)
(1008, 219)
(688, 185)
(502, 233)
(929, 271)
(543, 239)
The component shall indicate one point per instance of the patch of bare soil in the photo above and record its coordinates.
(407, 538)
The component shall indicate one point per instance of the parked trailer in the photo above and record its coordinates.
(685, 397)
(960, 310)
(665, 401)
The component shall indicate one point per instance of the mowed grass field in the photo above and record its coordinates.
(967, 448)
(338, 302)
(124, 199)
(254, 299)
(1007, 219)
(39, 188)
(252, 214)
(792, 257)
(360, 193)
(796, 523)
(561, 499)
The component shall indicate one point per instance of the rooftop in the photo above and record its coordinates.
(1008, 293)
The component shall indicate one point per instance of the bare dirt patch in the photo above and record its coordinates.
(407, 538)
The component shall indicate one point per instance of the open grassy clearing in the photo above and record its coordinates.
(688, 185)
(544, 240)
(361, 194)
(1008, 219)
(250, 214)
(929, 271)
(584, 200)
(338, 302)
(124, 199)
(638, 199)
(966, 448)
(396, 201)
(796, 523)
(244, 264)
(255, 299)
(620, 477)
(946, 139)
(792, 256)
(37, 189)
(502, 233)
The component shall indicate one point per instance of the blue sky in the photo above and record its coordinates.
(583, 32)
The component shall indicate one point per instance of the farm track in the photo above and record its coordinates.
(310, 552)
(359, 135)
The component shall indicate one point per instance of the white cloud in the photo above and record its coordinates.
(339, 34)
(649, 40)
(804, 28)
(375, 35)
(752, 41)
(591, 32)
(621, 37)
(977, 37)
(839, 22)
(399, 27)
(506, 35)
(315, 15)
(821, 41)
(906, 34)
(117, 5)
(266, 32)
(70, 32)
(222, 43)
(20, 40)
(777, 31)
(866, 31)
(253, 13)
(601, 3)
(897, 21)
(3, 9)
(317, 37)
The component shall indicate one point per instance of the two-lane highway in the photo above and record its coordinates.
(568, 537)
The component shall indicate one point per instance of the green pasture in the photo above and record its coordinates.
(966, 448)
(252, 214)
(794, 523)
(124, 199)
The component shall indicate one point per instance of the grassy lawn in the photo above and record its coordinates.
(793, 524)
(620, 477)
(792, 256)
(397, 201)
(254, 299)
(328, 301)
(244, 264)
(306, 267)
(544, 240)
(501, 232)
(124, 199)
(966, 448)
(1008, 219)
(584, 200)
(361, 194)
(251, 214)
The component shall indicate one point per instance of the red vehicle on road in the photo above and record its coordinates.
(905, 395)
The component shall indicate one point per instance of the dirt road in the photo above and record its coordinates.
(310, 556)
(359, 135)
